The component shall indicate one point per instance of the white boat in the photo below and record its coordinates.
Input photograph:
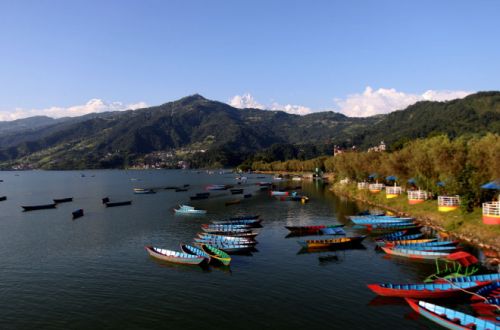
(186, 209)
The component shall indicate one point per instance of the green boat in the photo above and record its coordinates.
(216, 254)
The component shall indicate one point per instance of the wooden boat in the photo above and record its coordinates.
(380, 229)
(3, 198)
(403, 238)
(495, 277)
(181, 189)
(311, 229)
(62, 200)
(195, 251)
(77, 214)
(415, 254)
(245, 217)
(144, 191)
(216, 254)
(279, 193)
(229, 232)
(406, 241)
(39, 207)
(214, 227)
(432, 248)
(233, 202)
(383, 225)
(114, 204)
(333, 231)
(186, 209)
(195, 198)
(449, 318)
(246, 222)
(246, 234)
(488, 309)
(426, 290)
(490, 290)
(381, 220)
(241, 238)
(219, 241)
(217, 187)
(174, 256)
(226, 239)
(230, 248)
(408, 244)
(330, 243)
(236, 191)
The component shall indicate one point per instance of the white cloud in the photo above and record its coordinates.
(372, 102)
(248, 101)
(92, 106)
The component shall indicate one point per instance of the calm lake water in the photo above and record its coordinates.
(59, 273)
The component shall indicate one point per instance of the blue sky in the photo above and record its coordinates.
(315, 54)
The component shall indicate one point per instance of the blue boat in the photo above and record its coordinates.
(332, 231)
(194, 251)
(388, 238)
(392, 236)
(483, 278)
(487, 290)
(381, 221)
(245, 217)
(390, 225)
(423, 247)
(213, 228)
(211, 237)
(449, 318)
(401, 244)
(247, 222)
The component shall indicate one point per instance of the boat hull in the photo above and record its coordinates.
(39, 207)
(173, 259)
(424, 293)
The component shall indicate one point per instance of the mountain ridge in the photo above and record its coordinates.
(194, 125)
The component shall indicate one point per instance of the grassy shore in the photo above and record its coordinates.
(465, 226)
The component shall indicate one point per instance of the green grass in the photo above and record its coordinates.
(467, 225)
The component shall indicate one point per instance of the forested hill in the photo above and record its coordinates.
(208, 132)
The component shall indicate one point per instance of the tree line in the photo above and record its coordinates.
(461, 165)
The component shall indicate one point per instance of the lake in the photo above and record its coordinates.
(93, 272)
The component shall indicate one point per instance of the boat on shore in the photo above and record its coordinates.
(174, 256)
(63, 200)
(38, 207)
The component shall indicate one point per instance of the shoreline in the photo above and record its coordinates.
(489, 246)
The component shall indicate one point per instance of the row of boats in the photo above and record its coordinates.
(456, 281)
(215, 243)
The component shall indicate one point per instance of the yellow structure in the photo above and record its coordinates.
(448, 203)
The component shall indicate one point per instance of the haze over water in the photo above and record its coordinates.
(94, 272)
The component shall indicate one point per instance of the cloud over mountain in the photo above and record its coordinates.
(248, 101)
(384, 100)
(92, 106)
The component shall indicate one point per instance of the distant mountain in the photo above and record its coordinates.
(210, 132)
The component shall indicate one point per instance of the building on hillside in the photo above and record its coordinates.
(379, 148)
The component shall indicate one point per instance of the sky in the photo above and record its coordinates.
(66, 58)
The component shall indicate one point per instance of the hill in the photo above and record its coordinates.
(208, 132)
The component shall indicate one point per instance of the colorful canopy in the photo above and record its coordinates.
(391, 178)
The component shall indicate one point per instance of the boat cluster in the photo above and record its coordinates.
(215, 242)
(455, 276)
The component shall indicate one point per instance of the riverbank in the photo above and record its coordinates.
(466, 227)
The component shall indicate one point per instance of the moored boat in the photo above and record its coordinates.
(405, 241)
(174, 256)
(232, 202)
(331, 243)
(144, 191)
(415, 254)
(195, 251)
(426, 290)
(216, 254)
(245, 217)
(246, 222)
(38, 207)
(381, 221)
(449, 318)
(77, 214)
(63, 200)
(3, 198)
(113, 204)
(236, 191)
(313, 229)
(186, 209)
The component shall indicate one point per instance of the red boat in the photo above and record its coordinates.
(425, 290)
